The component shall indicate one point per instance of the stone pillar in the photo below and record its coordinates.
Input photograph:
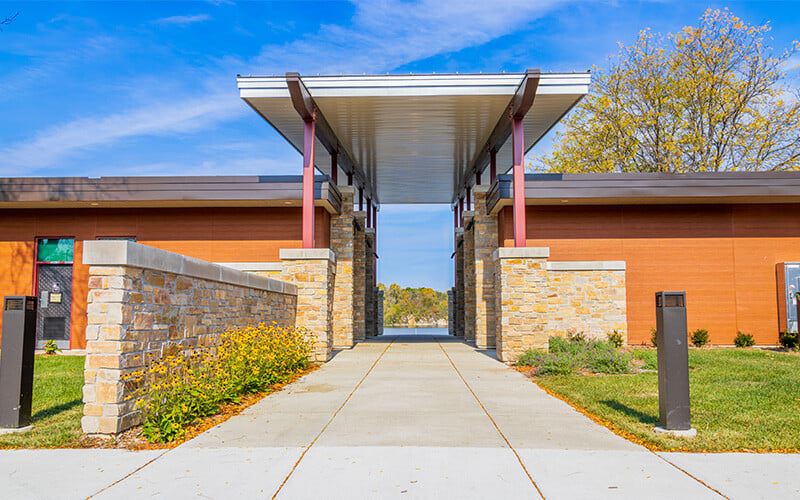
(451, 327)
(359, 276)
(485, 244)
(521, 288)
(112, 350)
(459, 282)
(313, 270)
(380, 312)
(469, 276)
(343, 233)
(369, 285)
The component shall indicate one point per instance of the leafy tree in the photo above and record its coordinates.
(403, 306)
(712, 98)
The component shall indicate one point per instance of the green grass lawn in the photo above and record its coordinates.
(57, 405)
(741, 399)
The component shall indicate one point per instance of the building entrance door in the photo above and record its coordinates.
(54, 289)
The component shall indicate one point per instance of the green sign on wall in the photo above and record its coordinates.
(55, 249)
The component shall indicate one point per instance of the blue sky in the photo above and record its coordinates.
(125, 88)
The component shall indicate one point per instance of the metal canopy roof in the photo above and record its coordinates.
(412, 138)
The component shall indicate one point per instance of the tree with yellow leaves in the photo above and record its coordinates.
(708, 99)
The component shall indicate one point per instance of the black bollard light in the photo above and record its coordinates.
(16, 361)
(674, 414)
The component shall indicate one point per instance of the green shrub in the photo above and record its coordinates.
(699, 337)
(743, 340)
(616, 339)
(50, 347)
(653, 337)
(789, 340)
(566, 356)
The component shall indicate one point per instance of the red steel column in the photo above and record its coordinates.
(477, 178)
(360, 199)
(492, 166)
(461, 212)
(469, 199)
(350, 178)
(308, 183)
(369, 212)
(518, 147)
(335, 168)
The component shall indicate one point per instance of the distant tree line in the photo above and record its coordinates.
(412, 306)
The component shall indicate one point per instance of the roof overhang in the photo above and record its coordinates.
(414, 138)
(649, 189)
(160, 192)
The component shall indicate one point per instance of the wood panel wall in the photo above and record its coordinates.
(248, 234)
(723, 256)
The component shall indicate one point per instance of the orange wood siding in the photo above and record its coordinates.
(723, 256)
(248, 234)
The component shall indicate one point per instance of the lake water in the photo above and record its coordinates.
(414, 331)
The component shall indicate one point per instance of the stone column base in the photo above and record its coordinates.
(536, 299)
(314, 273)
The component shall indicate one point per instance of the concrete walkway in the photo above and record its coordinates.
(402, 417)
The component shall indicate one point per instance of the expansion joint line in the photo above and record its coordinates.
(508, 443)
(126, 476)
(322, 431)
(690, 475)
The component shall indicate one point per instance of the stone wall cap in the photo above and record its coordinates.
(345, 189)
(130, 254)
(521, 253)
(360, 214)
(587, 265)
(459, 231)
(307, 254)
(482, 189)
(370, 231)
(253, 266)
(468, 213)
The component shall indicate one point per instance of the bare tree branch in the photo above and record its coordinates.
(8, 20)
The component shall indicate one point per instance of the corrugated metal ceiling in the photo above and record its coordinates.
(413, 135)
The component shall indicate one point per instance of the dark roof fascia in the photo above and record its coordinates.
(650, 188)
(52, 192)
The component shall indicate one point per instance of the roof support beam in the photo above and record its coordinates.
(518, 147)
(308, 182)
(518, 107)
(305, 106)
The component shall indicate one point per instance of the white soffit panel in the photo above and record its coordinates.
(413, 135)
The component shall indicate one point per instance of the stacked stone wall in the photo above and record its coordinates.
(469, 276)
(485, 244)
(144, 302)
(451, 312)
(585, 298)
(459, 295)
(537, 299)
(313, 271)
(359, 276)
(369, 285)
(343, 233)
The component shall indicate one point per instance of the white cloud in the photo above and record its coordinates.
(182, 116)
(183, 20)
(381, 37)
(388, 34)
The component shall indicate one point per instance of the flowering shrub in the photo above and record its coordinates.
(179, 388)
